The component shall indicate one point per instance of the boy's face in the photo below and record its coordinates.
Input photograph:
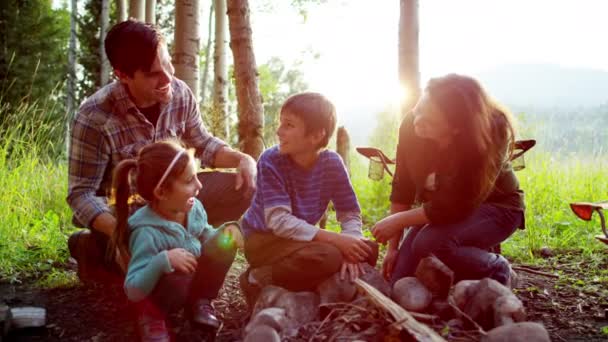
(148, 88)
(293, 137)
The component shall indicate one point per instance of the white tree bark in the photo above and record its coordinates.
(104, 18)
(137, 9)
(151, 11)
(251, 112)
(205, 70)
(219, 121)
(71, 84)
(186, 43)
(409, 74)
(121, 8)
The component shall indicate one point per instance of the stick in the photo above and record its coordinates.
(419, 331)
(524, 269)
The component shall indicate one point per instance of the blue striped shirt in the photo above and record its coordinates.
(304, 192)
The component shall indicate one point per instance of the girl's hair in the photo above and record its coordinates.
(486, 134)
(151, 163)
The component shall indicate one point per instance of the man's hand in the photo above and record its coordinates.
(388, 265)
(354, 270)
(233, 234)
(182, 260)
(387, 228)
(246, 172)
(354, 249)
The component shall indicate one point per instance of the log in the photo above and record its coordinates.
(403, 319)
(28, 317)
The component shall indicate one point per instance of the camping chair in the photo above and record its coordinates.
(584, 210)
(379, 163)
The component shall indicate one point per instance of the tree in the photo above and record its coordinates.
(121, 10)
(151, 11)
(71, 82)
(219, 109)
(205, 62)
(409, 74)
(137, 9)
(186, 43)
(104, 21)
(249, 101)
(33, 49)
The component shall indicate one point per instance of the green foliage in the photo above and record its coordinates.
(33, 46)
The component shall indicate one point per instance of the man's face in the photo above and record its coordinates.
(148, 88)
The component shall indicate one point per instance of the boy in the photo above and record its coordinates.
(296, 181)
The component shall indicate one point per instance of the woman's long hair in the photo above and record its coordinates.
(486, 134)
(150, 164)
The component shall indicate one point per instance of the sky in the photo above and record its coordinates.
(356, 41)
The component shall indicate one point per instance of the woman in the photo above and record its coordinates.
(453, 159)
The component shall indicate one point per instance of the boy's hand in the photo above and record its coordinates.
(233, 233)
(182, 260)
(354, 249)
(354, 270)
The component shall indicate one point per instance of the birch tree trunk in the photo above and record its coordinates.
(205, 76)
(137, 9)
(249, 100)
(151, 11)
(409, 74)
(186, 43)
(104, 19)
(71, 82)
(121, 8)
(219, 111)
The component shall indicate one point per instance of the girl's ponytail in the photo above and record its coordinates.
(121, 192)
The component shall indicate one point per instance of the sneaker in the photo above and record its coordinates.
(203, 314)
(152, 329)
(250, 291)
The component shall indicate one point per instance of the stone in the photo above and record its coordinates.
(268, 296)
(373, 277)
(300, 307)
(411, 294)
(435, 276)
(518, 332)
(335, 290)
(272, 317)
(262, 333)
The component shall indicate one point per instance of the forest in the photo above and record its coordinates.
(52, 59)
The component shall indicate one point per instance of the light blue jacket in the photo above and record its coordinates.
(151, 237)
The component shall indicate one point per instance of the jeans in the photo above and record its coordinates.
(462, 246)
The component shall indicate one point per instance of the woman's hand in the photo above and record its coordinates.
(182, 260)
(388, 265)
(354, 270)
(387, 228)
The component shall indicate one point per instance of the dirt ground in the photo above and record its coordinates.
(573, 307)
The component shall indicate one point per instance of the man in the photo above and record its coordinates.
(146, 104)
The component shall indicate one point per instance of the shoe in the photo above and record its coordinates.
(90, 259)
(250, 291)
(203, 314)
(152, 329)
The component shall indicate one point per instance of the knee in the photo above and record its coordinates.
(325, 258)
(426, 244)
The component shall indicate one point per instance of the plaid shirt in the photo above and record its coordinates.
(109, 128)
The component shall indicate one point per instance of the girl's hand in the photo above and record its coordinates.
(182, 260)
(354, 270)
(386, 229)
(233, 233)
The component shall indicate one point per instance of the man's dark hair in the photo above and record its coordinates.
(316, 111)
(132, 45)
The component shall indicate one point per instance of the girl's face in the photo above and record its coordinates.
(430, 121)
(178, 196)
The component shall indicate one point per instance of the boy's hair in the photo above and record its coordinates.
(316, 111)
(132, 45)
(150, 164)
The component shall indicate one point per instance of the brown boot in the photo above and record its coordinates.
(90, 256)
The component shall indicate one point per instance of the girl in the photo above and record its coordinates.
(452, 158)
(176, 258)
